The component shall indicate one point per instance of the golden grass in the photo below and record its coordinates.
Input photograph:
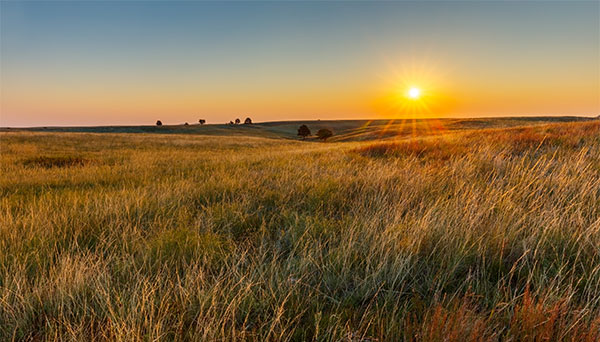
(488, 235)
(508, 140)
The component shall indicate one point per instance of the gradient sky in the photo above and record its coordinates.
(97, 63)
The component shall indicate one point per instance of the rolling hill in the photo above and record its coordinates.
(344, 130)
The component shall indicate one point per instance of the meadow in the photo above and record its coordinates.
(479, 232)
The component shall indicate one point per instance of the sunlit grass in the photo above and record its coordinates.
(480, 235)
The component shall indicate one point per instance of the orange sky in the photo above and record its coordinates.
(133, 63)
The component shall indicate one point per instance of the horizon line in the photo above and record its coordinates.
(589, 116)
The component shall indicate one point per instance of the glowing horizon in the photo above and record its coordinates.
(92, 63)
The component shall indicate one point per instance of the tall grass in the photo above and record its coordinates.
(487, 235)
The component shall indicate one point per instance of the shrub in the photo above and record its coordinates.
(303, 131)
(237, 121)
(202, 121)
(248, 121)
(324, 133)
(158, 123)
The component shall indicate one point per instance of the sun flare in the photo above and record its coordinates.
(414, 93)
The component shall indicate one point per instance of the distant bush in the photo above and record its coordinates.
(237, 121)
(48, 162)
(186, 124)
(248, 121)
(158, 123)
(202, 121)
(303, 131)
(324, 133)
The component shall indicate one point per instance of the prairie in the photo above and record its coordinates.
(484, 231)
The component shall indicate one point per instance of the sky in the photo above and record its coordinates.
(135, 62)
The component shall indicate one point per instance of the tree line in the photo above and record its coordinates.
(303, 130)
(248, 121)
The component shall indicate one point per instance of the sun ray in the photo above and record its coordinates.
(414, 93)
(387, 126)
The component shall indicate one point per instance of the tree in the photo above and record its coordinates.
(303, 131)
(202, 121)
(158, 123)
(248, 121)
(324, 133)
(186, 124)
(231, 122)
(237, 121)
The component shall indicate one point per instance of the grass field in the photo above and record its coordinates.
(471, 230)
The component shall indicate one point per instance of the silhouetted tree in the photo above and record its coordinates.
(324, 133)
(158, 123)
(202, 121)
(248, 121)
(231, 122)
(237, 121)
(186, 124)
(303, 131)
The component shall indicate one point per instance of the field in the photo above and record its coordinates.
(464, 230)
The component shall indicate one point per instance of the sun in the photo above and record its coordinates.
(414, 93)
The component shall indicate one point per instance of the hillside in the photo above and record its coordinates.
(480, 235)
(345, 130)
